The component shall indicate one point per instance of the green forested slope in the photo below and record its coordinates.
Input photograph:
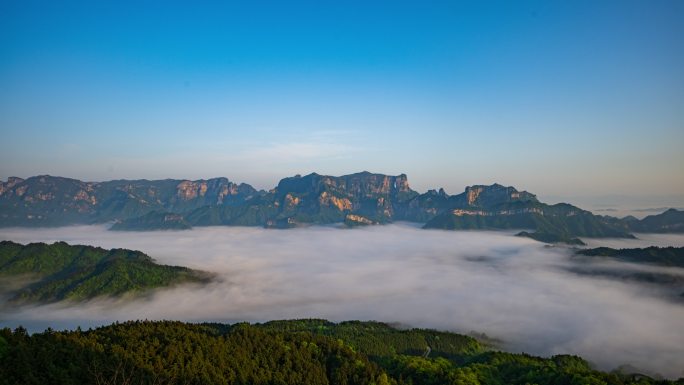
(551, 223)
(665, 256)
(157, 220)
(60, 271)
(669, 221)
(282, 352)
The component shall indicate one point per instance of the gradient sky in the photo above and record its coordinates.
(561, 98)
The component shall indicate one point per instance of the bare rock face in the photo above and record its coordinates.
(216, 191)
(21, 190)
(341, 204)
(324, 198)
(11, 182)
(472, 193)
(484, 196)
(187, 190)
(82, 195)
(291, 201)
(401, 183)
(353, 220)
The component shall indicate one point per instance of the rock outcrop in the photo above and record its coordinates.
(353, 220)
(318, 198)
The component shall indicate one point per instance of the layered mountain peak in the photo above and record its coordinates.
(439, 193)
(11, 182)
(485, 196)
(14, 180)
(362, 184)
(217, 190)
(326, 198)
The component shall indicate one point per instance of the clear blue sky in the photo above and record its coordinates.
(556, 97)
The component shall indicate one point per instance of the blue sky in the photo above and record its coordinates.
(562, 98)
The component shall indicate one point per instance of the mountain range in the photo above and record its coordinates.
(357, 199)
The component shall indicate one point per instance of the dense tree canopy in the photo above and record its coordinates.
(281, 352)
(76, 272)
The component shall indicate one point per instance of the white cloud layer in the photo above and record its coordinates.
(511, 288)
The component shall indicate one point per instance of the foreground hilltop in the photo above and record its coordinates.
(280, 352)
(356, 199)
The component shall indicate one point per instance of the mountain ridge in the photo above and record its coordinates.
(358, 198)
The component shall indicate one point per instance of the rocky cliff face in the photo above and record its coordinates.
(487, 196)
(213, 191)
(427, 206)
(359, 185)
(11, 182)
(324, 198)
(353, 220)
(46, 200)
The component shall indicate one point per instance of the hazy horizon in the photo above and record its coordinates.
(564, 99)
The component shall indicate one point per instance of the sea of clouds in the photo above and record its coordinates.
(514, 289)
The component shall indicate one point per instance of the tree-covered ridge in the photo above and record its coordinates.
(665, 256)
(670, 221)
(76, 272)
(550, 223)
(178, 353)
(282, 352)
(154, 220)
(378, 339)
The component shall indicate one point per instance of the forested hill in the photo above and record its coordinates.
(284, 352)
(75, 272)
(665, 256)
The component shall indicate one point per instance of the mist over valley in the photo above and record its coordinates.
(527, 294)
(342, 193)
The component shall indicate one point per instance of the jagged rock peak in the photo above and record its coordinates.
(14, 180)
(481, 195)
(439, 192)
(360, 183)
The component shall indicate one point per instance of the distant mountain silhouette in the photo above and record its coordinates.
(357, 199)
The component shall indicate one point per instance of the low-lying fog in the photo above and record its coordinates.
(510, 288)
